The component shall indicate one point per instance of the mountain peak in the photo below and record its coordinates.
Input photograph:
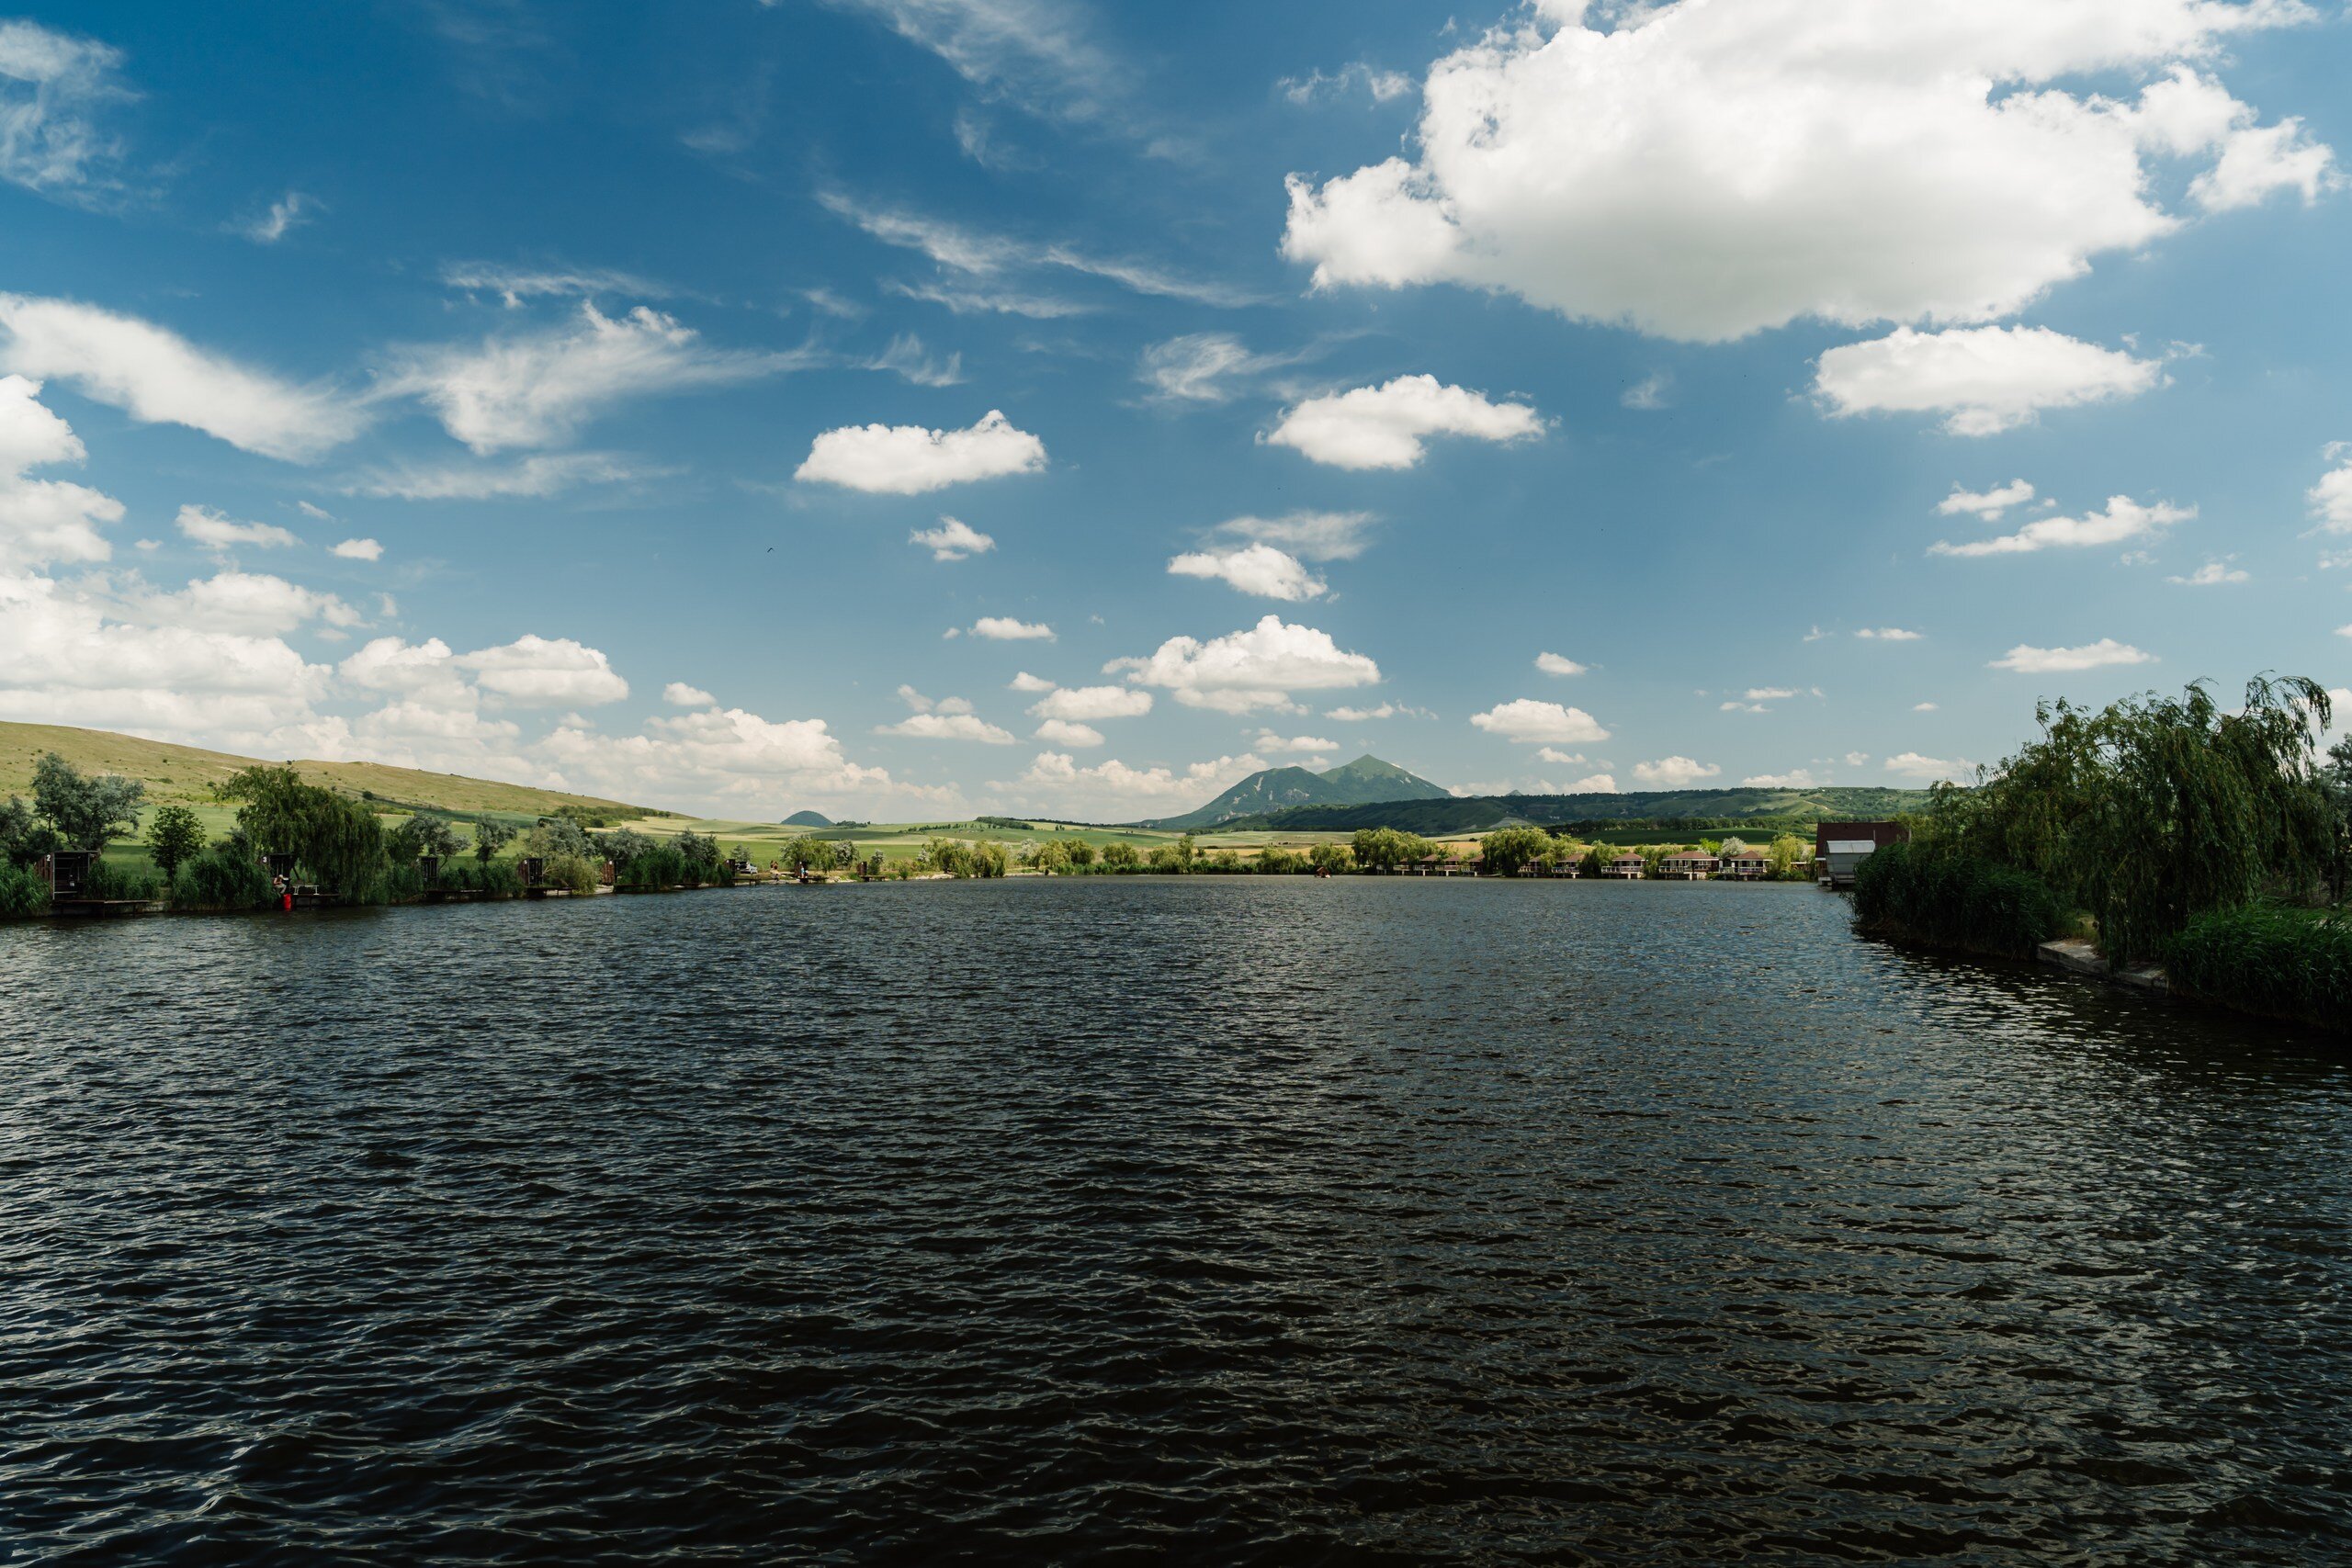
(1365, 781)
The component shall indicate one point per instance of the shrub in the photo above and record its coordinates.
(2269, 960)
(113, 880)
(22, 892)
(220, 878)
(497, 877)
(1955, 900)
(572, 873)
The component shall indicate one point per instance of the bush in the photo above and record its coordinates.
(497, 877)
(2269, 960)
(220, 878)
(572, 873)
(1954, 900)
(113, 880)
(22, 892)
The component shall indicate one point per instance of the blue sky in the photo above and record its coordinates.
(556, 393)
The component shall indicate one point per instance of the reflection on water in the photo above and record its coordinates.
(1249, 1219)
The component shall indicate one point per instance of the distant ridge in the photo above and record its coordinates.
(1479, 814)
(1360, 783)
(807, 819)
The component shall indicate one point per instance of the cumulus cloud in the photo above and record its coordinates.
(1245, 671)
(938, 725)
(535, 388)
(214, 531)
(1989, 505)
(553, 672)
(53, 89)
(954, 539)
(2123, 519)
(1798, 778)
(1004, 628)
(1067, 733)
(360, 549)
(1385, 426)
(44, 520)
(1555, 755)
(1889, 634)
(1931, 770)
(159, 378)
(1704, 170)
(254, 603)
(2213, 574)
(1923, 707)
(1268, 742)
(1595, 784)
(1674, 772)
(907, 459)
(2331, 498)
(1983, 379)
(678, 694)
(2027, 660)
(1309, 536)
(722, 756)
(1260, 569)
(1025, 681)
(1084, 703)
(1111, 788)
(1558, 664)
(1526, 721)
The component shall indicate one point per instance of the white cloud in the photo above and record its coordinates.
(1083, 703)
(1889, 634)
(985, 255)
(906, 356)
(1310, 536)
(1857, 758)
(954, 539)
(1648, 394)
(1989, 505)
(536, 671)
(2331, 498)
(1203, 367)
(1525, 721)
(44, 520)
(360, 549)
(529, 478)
(1004, 628)
(1985, 380)
(1705, 171)
(423, 673)
(1381, 86)
(1770, 693)
(1798, 778)
(723, 757)
(1558, 664)
(1383, 427)
(1274, 744)
(287, 212)
(678, 694)
(947, 727)
(1674, 772)
(998, 301)
(908, 459)
(1555, 755)
(2123, 519)
(2212, 574)
(1260, 569)
(1911, 765)
(1039, 53)
(535, 388)
(1025, 681)
(2027, 660)
(1064, 732)
(1386, 710)
(212, 530)
(513, 285)
(52, 88)
(1111, 788)
(1923, 707)
(1244, 671)
(159, 378)
(253, 604)
(1595, 784)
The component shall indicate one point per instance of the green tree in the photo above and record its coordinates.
(623, 845)
(1119, 856)
(174, 835)
(85, 810)
(489, 838)
(1333, 858)
(24, 839)
(337, 840)
(1185, 851)
(1506, 849)
(1782, 856)
(423, 835)
(1595, 863)
(1080, 853)
(553, 836)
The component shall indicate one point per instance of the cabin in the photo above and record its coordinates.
(1689, 866)
(67, 873)
(1839, 847)
(1629, 866)
(1745, 865)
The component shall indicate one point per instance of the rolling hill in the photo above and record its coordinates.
(189, 774)
(1478, 814)
(1278, 790)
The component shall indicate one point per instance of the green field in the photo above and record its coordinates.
(905, 840)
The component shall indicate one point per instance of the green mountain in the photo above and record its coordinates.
(1363, 781)
(807, 819)
(1592, 813)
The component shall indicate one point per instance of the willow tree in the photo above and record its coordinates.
(337, 840)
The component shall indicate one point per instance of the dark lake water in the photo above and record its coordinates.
(1219, 1219)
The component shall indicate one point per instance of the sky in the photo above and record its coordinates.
(905, 407)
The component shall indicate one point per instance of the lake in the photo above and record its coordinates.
(1111, 1219)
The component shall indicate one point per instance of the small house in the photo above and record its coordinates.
(1839, 847)
(1745, 865)
(1689, 866)
(1629, 866)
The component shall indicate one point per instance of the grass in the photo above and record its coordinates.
(2269, 960)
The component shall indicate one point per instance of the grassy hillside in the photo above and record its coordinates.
(1472, 814)
(188, 774)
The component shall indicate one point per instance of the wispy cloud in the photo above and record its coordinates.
(54, 88)
(287, 213)
(515, 283)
